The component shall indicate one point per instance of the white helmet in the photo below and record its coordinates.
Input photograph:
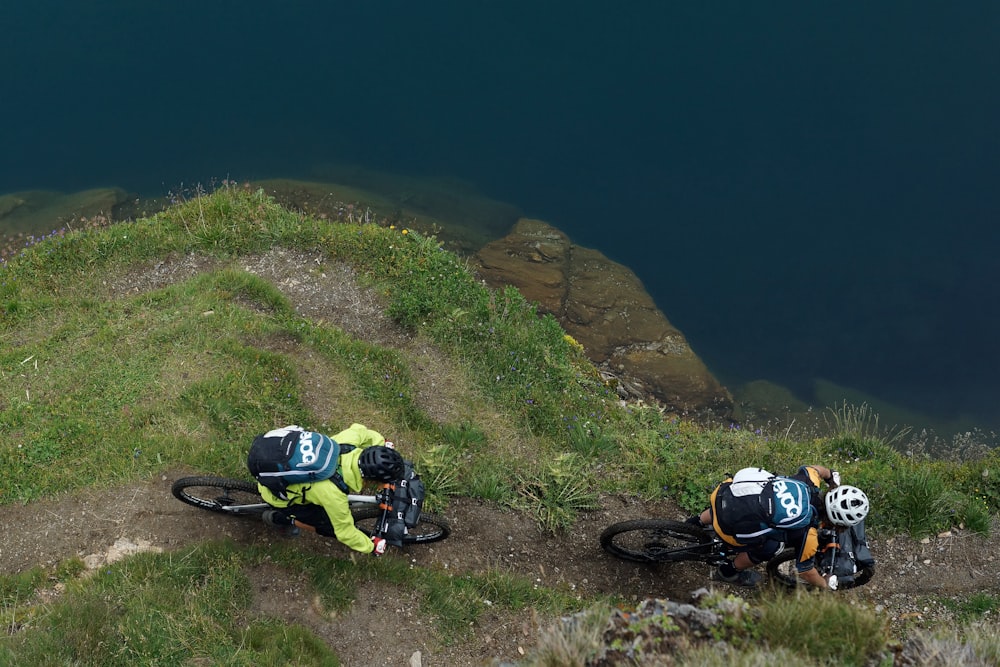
(846, 506)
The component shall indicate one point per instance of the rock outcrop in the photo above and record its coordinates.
(605, 307)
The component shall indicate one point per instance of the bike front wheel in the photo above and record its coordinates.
(781, 570)
(656, 541)
(430, 528)
(218, 494)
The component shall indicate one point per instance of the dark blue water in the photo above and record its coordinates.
(807, 191)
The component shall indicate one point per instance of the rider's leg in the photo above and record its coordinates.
(737, 565)
(280, 520)
(313, 515)
(739, 571)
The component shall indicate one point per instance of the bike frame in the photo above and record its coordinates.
(353, 500)
(718, 553)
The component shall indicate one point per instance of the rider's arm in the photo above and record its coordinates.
(818, 473)
(359, 436)
(337, 508)
(805, 563)
(813, 578)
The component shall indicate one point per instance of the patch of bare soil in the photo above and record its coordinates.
(97, 525)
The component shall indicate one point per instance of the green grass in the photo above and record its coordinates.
(974, 644)
(821, 627)
(976, 606)
(555, 491)
(101, 386)
(192, 605)
(807, 629)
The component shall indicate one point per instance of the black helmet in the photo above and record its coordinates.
(381, 464)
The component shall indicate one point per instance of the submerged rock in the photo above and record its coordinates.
(606, 308)
(39, 212)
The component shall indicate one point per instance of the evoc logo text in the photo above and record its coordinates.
(787, 499)
(307, 450)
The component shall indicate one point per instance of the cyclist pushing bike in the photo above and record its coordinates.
(306, 477)
(758, 514)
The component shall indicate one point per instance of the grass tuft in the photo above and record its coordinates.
(557, 492)
(821, 628)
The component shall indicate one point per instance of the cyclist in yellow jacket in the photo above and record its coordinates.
(322, 504)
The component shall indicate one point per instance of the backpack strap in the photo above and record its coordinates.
(336, 477)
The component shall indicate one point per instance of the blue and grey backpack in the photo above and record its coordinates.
(291, 455)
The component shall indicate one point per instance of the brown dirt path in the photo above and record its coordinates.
(90, 524)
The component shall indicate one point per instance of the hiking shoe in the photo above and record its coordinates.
(281, 521)
(275, 518)
(747, 578)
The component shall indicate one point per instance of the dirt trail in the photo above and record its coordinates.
(484, 536)
(92, 524)
(89, 525)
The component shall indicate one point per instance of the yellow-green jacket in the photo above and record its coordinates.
(326, 493)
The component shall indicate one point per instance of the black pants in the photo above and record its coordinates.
(763, 551)
(314, 515)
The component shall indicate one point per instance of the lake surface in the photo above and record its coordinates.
(808, 192)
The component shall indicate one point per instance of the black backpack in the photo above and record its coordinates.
(291, 455)
(754, 504)
(850, 559)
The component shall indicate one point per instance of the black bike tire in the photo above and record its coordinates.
(863, 576)
(776, 575)
(683, 532)
(792, 580)
(443, 528)
(182, 490)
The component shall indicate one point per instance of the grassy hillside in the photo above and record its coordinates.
(110, 376)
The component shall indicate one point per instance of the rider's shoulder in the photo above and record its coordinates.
(810, 475)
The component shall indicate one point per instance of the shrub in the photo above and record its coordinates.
(556, 492)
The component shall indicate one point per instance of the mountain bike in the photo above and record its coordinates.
(240, 498)
(666, 541)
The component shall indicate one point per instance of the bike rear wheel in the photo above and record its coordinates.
(218, 494)
(781, 570)
(430, 528)
(656, 541)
